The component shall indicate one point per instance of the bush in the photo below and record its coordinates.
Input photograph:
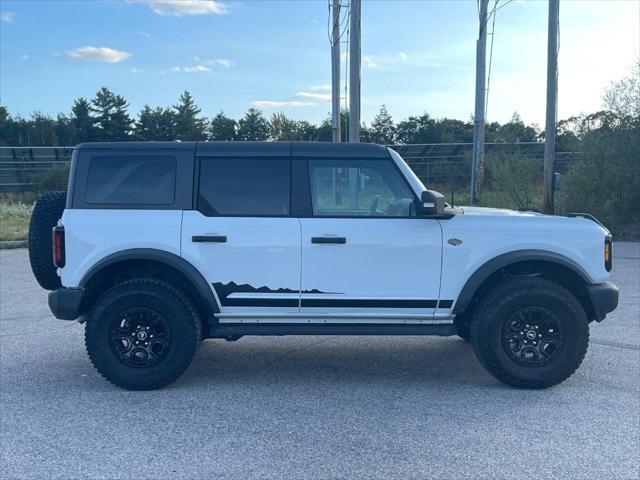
(513, 182)
(57, 178)
(607, 183)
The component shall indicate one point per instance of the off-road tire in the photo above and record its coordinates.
(171, 303)
(496, 308)
(46, 213)
(463, 326)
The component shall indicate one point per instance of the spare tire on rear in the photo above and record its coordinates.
(45, 216)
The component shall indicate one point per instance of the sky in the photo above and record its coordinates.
(417, 56)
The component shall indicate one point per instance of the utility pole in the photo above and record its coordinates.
(354, 72)
(335, 72)
(552, 107)
(477, 169)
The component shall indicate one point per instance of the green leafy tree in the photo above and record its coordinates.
(516, 131)
(188, 123)
(285, 129)
(6, 126)
(324, 132)
(448, 130)
(253, 126)
(222, 128)
(111, 117)
(382, 130)
(43, 128)
(623, 97)
(420, 129)
(155, 124)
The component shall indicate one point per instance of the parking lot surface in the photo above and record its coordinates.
(314, 407)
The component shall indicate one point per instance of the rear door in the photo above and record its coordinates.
(242, 236)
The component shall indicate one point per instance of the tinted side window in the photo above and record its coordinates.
(361, 188)
(143, 180)
(245, 186)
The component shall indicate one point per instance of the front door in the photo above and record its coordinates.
(364, 252)
(242, 237)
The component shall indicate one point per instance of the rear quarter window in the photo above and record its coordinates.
(138, 180)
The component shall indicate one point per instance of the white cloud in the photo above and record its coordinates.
(178, 8)
(7, 16)
(402, 56)
(194, 69)
(224, 62)
(369, 61)
(98, 54)
(326, 86)
(320, 97)
(136, 70)
(279, 104)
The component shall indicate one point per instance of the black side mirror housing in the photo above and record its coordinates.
(431, 203)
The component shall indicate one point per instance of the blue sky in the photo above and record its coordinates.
(417, 55)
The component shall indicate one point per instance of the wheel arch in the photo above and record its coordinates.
(550, 265)
(153, 263)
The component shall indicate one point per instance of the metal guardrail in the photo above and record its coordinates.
(22, 167)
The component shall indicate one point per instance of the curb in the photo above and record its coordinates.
(6, 245)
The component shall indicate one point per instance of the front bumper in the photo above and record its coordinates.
(65, 303)
(604, 299)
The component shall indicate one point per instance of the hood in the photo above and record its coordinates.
(498, 211)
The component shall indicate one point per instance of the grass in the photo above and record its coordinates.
(14, 220)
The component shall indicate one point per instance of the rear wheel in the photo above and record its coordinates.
(142, 334)
(530, 332)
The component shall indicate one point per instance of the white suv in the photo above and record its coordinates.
(160, 245)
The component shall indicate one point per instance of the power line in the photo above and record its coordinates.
(493, 30)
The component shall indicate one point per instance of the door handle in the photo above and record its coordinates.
(339, 240)
(209, 239)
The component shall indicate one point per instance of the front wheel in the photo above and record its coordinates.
(530, 332)
(142, 334)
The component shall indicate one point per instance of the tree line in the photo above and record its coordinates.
(106, 118)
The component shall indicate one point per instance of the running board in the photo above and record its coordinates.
(232, 330)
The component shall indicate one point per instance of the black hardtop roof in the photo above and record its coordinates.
(263, 149)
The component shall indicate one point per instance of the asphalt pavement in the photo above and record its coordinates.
(314, 407)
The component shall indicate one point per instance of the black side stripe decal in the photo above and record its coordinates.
(225, 290)
(355, 303)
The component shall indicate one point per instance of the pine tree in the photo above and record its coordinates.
(382, 130)
(222, 128)
(188, 125)
(82, 121)
(253, 126)
(64, 130)
(111, 117)
(155, 124)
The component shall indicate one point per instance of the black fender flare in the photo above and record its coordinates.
(506, 259)
(200, 285)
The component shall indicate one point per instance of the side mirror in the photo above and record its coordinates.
(431, 203)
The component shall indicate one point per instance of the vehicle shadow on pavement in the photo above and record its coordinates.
(338, 359)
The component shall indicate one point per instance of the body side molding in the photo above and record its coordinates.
(501, 261)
